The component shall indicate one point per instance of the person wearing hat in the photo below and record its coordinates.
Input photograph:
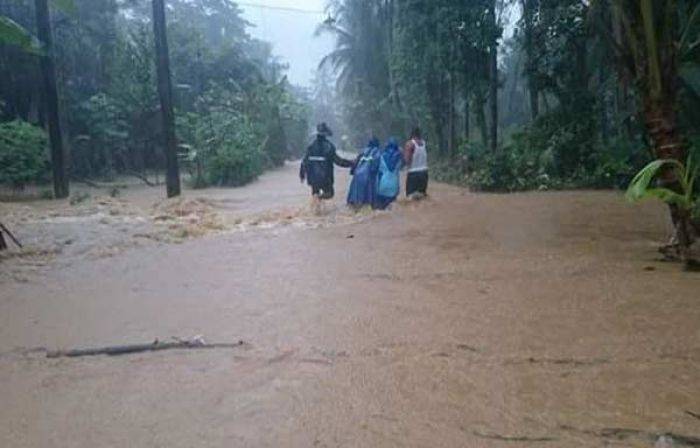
(317, 165)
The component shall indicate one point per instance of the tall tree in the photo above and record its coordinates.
(48, 71)
(361, 62)
(530, 8)
(165, 92)
(493, 77)
(657, 37)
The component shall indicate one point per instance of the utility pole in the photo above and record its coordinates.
(48, 74)
(165, 91)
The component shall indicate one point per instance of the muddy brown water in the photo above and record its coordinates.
(538, 319)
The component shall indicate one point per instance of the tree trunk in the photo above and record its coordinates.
(165, 93)
(452, 118)
(398, 116)
(48, 72)
(467, 118)
(437, 108)
(529, 8)
(604, 106)
(479, 104)
(438, 118)
(108, 47)
(534, 100)
(493, 80)
(662, 127)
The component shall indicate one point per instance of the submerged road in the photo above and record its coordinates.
(466, 320)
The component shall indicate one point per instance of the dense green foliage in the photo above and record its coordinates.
(225, 148)
(576, 99)
(227, 86)
(571, 111)
(554, 152)
(22, 154)
(402, 63)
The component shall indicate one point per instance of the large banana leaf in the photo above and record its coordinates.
(12, 33)
(641, 186)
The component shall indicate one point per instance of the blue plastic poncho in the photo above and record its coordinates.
(364, 181)
(388, 180)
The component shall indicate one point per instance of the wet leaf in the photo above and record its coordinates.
(12, 33)
(66, 6)
(640, 187)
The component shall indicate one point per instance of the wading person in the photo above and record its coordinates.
(363, 187)
(317, 165)
(388, 179)
(416, 157)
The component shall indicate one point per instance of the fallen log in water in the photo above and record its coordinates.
(12, 237)
(693, 414)
(662, 439)
(506, 438)
(138, 348)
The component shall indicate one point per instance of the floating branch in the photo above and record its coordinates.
(117, 350)
(12, 237)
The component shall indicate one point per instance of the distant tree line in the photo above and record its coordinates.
(570, 100)
(236, 113)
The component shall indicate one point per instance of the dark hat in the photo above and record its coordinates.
(324, 130)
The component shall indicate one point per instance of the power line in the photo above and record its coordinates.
(281, 8)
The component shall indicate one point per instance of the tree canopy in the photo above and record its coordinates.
(236, 113)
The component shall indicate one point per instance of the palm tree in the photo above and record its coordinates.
(360, 58)
(345, 58)
(656, 39)
(652, 39)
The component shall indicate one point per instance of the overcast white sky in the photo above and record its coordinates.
(291, 33)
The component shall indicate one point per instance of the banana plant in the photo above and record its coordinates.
(12, 33)
(684, 197)
(683, 200)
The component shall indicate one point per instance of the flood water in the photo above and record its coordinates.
(462, 320)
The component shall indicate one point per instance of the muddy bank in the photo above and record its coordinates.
(539, 319)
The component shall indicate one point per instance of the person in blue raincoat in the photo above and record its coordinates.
(364, 176)
(388, 178)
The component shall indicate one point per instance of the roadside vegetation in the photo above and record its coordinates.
(236, 113)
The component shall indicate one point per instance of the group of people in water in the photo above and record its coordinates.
(375, 171)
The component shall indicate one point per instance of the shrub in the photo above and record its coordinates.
(557, 151)
(22, 154)
(224, 148)
(235, 162)
(101, 148)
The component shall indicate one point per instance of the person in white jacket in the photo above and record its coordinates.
(416, 157)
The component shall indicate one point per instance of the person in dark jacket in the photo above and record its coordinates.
(317, 165)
